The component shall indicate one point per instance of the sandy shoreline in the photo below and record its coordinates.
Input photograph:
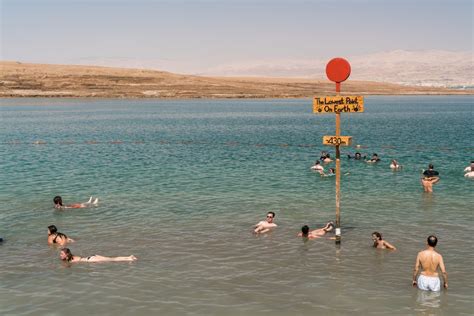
(39, 80)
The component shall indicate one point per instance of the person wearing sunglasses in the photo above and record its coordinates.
(266, 225)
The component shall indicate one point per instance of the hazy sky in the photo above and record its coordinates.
(207, 33)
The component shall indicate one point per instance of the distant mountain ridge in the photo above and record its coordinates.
(432, 68)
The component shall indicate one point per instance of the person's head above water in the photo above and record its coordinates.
(430, 166)
(52, 229)
(65, 254)
(358, 155)
(58, 200)
(377, 235)
(270, 216)
(305, 230)
(432, 241)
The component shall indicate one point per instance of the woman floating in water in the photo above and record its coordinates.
(380, 243)
(394, 165)
(55, 237)
(66, 255)
(469, 170)
(58, 203)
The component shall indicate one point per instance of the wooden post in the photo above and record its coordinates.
(338, 181)
(338, 70)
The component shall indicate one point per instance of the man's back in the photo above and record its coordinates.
(429, 260)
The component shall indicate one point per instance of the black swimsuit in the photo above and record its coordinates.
(58, 235)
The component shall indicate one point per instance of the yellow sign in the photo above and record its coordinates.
(337, 140)
(338, 104)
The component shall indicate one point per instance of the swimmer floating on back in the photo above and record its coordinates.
(58, 203)
(66, 255)
(469, 170)
(394, 165)
(317, 166)
(317, 233)
(266, 225)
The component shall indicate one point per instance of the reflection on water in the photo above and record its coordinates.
(428, 302)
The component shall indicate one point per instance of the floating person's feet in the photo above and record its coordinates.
(90, 200)
(96, 201)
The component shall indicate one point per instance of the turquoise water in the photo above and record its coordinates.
(181, 183)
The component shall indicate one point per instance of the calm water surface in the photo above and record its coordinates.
(181, 183)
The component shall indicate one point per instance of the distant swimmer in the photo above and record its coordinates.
(67, 256)
(55, 237)
(430, 261)
(470, 168)
(327, 159)
(331, 172)
(469, 171)
(469, 174)
(394, 165)
(317, 166)
(429, 178)
(266, 225)
(375, 158)
(380, 243)
(357, 156)
(58, 203)
(317, 233)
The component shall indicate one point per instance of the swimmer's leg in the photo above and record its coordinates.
(90, 200)
(96, 201)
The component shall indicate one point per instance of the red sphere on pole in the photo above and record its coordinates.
(338, 70)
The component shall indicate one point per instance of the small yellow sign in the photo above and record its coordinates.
(337, 140)
(338, 104)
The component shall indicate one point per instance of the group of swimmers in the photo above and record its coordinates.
(60, 239)
(428, 178)
(428, 261)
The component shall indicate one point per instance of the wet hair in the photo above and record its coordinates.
(430, 166)
(379, 237)
(58, 200)
(317, 162)
(432, 240)
(358, 154)
(374, 154)
(330, 224)
(332, 169)
(273, 213)
(68, 253)
(328, 155)
(305, 230)
(52, 229)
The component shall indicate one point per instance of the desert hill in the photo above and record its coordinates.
(42, 80)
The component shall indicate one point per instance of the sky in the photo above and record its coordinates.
(195, 35)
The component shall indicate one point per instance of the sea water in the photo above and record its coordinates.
(181, 184)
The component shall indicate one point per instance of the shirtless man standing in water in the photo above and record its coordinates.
(430, 261)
